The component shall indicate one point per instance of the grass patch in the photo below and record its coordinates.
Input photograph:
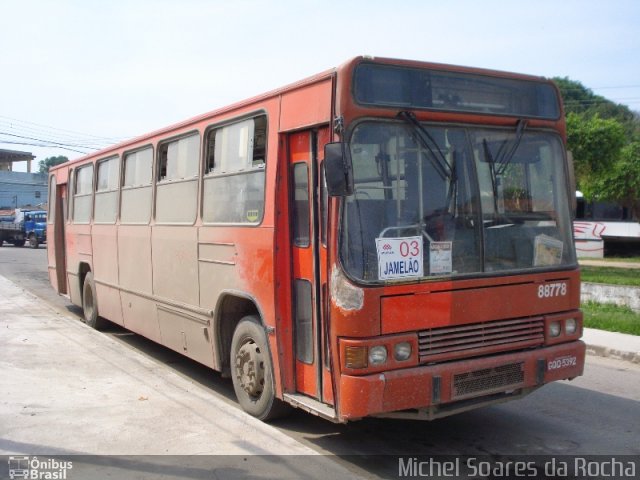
(611, 275)
(613, 318)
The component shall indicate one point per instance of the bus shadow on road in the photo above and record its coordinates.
(558, 420)
(184, 366)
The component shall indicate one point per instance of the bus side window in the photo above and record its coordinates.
(234, 180)
(177, 189)
(83, 194)
(106, 202)
(136, 187)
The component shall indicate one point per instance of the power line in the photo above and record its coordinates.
(64, 132)
(617, 86)
(50, 141)
(609, 87)
(31, 144)
(54, 138)
(22, 132)
(65, 139)
(602, 100)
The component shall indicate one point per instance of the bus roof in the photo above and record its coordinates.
(349, 65)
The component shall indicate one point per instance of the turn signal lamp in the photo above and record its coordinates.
(356, 357)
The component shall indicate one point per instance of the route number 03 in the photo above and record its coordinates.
(552, 290)
(412, 249)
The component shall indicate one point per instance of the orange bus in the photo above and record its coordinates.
(387, 238)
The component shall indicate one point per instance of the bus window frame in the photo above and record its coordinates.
(117, 190)
(156, 182)
(150, 185)
(75, 195)
(206, 176)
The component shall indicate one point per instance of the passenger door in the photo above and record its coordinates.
(56, 244)
(309, 263)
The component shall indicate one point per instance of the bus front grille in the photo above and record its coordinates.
(465, 341)
(488, 380)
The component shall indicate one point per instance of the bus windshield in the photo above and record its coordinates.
(462, 201)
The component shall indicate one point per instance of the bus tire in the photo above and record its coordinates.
(252, 371)
(90, 303)
(33, 241)
(18, 243)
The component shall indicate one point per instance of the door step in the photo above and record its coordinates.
(312, 405)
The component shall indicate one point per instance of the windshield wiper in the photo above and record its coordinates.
(492, 171)
(425, 139)
(505, 154)
(504, 160)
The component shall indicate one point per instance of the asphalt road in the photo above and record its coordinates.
(596, 414)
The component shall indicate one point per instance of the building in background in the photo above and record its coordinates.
(20, 189)
(602, 228)
(9, 157)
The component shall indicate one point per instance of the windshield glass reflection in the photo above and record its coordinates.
(447, 201)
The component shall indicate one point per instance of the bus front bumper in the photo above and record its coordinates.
(433, 391)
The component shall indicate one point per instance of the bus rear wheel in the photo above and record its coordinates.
(252, 371)
(90, 303)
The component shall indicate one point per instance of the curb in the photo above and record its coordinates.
(600, 351)
(619, 346)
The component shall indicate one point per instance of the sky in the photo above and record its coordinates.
(92, 73)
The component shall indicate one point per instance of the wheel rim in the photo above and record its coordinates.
(250, 368)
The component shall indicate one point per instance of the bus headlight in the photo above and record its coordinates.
(377, 355)
(402, 351)
(554, 329)
(570, 326)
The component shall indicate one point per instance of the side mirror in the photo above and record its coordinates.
(338, 169)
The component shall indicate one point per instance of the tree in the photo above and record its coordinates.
(47, 163)
(622, 182)
(605, 140)
(596, 144)
(580, 100)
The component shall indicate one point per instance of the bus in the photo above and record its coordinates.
(387, 238)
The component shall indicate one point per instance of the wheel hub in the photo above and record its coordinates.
(250, 368)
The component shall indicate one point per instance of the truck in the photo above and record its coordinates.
(24, 226)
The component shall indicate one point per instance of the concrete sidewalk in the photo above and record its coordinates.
(610, 344)
(52, 364)
(67, 389)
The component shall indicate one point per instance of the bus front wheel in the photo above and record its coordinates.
(252, 371)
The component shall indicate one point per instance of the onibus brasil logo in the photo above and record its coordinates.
(38, 469)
